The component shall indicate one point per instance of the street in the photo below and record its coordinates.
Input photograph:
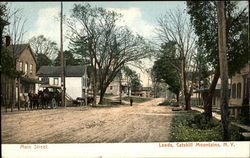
(142, 122)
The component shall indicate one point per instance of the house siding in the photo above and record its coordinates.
(115, 88)
(27, 58)
(73, 85)
(236, 80)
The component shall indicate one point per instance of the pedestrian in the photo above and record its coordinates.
(131, 101)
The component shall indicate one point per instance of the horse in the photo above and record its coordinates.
(44, 99)
(33, 97)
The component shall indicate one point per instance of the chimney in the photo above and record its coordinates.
(7, 41)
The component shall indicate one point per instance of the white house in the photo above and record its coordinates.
(76, 79)
(118, 85)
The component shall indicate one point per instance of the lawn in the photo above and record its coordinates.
(137, 99)
(191, 126)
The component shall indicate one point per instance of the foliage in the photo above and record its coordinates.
(202, 70)
(3, 10)
(165, 67)
(244, 117)
(165, 102)
(7, 65)
(106, 101)
(203, 16)
(174, 27)
(133, 79)
(42, 60)
(108, 94)
(137, 99)
(69, 59)
(106, 46)
(192, 126)
(42, 45)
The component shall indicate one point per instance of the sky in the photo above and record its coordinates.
(139, 16)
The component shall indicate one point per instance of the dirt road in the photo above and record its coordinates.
(144, 122)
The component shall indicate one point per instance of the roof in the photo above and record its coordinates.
(49, 86)
(55, 71)
(29, 80)
(218, 87)
(18, 50)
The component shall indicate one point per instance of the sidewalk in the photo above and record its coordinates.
(217, 116)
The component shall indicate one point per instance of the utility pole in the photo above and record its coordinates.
(223, 69)
(120, 84)
(62, 60)
(248, 80)
(86, 84)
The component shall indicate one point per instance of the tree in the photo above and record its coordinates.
(16, 32)
(223, 69)
(203, 72)
(133, 80)
(203, 17)
(44, 50)
(166, 68)
(174, 26)
(42, 45)
(69, 59)
(43, 60)
(108, 47)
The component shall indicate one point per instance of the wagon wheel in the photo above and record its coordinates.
(53, 103)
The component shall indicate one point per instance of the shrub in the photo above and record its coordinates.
(191, 126)
(166, 102)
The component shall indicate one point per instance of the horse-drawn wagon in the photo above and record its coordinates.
(50, 95)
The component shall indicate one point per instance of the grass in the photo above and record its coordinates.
(108, 94)
(137, 99)
(191, 126)
(107, 103)
(165, 103)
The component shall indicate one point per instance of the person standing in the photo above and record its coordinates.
(131, 101)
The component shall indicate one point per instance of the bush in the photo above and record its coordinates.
(200, 122)
(106, 101)
(194, 127)
(166, 102)
(245, 116)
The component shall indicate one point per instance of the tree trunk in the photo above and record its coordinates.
(187, 101)
(223, 69)
(177, 98)
(94, 84)
(208, 96)
(18, 93)
(120, 87)
(102, 92)
(13, 93)
(103, 89)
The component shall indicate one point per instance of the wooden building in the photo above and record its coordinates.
(76, 79)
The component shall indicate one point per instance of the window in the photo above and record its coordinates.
(45, 80)
(21, 66)
(111, 87)
(26, 68)
(239, 90)
(31, 69)
(234, 91)
(56, 81)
